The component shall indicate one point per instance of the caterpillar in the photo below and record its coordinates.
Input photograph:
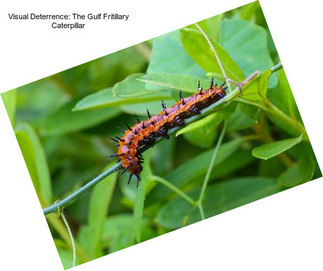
(144, 133)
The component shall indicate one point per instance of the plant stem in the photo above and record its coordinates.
(202, 214)
(209, 171)
(174, 188)
(294, 126)
(277, 67)
(59, 204)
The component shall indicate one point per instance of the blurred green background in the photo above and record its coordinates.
(63, 124)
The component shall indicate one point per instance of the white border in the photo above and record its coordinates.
(281, 232)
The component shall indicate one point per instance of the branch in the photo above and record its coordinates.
(277, 67)
(209, 171)
(59, 204)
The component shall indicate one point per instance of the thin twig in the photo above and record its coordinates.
(209, 171)
(175, 189)
(71, 236)
(59, 204)
(276, 67)
(215, 55)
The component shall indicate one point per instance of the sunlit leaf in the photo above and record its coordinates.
(175, 81)
(198, 124)
(248, 11)
(198, 48)
(270, 150)
(211, 26)
(36, 161)
(9, 100)
(105, 98)
(131, 87)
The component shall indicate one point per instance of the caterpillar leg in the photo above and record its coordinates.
(212, 82)
(129, 178)
(148, 113)
(138, 179)
(115, 155)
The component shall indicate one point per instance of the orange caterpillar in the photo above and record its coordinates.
(146, 132)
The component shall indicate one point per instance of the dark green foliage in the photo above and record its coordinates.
(63, 124)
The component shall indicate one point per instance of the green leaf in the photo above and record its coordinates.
(140, 109)
(131, 87)
(140, 199)
(248, 11)
(35, 158)
(282, 97)
(213, 119)
(105, 98)
(239, 160)
(117, 232)
(299, 173)
(211, 26)
(243, 117)
(9, 100)
(98, 208)
(202, 133)
(287, 95)
(198, 48)
(270, 150)
(192, 169)
(203, 137)
(247, 45)
(175, 81)
(64, 120)
(285, 122)
(169, 56)
(201, 123)
(219, 198)
(271, 168)
(256, 90)
(162, 156)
